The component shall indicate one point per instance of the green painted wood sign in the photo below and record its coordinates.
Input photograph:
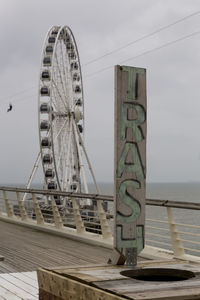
(130, 161)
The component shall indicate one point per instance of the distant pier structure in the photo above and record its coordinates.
(130, 161)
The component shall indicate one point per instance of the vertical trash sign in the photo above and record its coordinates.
(130, 161)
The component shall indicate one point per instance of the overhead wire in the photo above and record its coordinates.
(142, 38)
(16, 94)
(146, 52)
(123, 47)
(26, 98)
(17, 100)
(130, 58)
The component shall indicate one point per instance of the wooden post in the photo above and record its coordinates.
(130, 161)
(22, 210)
(9, 208)
(38, 213)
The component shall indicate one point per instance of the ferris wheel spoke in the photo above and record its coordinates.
(54, 101)
(64, 67)
(69, 161)
(62, 146)
(60, 96)
(60, 170)
(61, 152)
(59, 90)
(59, 132)
(61, 76)
(67, 150)
(58, 68)
(53, 128)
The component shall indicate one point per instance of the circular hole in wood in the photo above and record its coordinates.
(160, 274)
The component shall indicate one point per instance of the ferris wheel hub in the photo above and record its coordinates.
(77, 114)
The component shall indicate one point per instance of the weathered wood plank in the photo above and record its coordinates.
(5, 268)
(47, 296)
(68, 289)
(16, 290)
(31, 275)
(106, 273)
(108, 283)
(21, 277)
(26, 249)
(181, 294)
(7, 295)
(21, 282)
(127, 286)
(130, 161)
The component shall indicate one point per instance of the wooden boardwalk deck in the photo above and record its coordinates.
(19, 286)
(26, 249)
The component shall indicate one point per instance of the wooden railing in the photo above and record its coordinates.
(44, 209)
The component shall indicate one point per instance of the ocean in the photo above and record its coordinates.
(184, 191)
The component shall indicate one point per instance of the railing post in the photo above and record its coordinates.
(77, 216)
(1, 208)
(57, 218)
(9, 208)
(175, 236)
(46, 200)
(38, 213)
(23, 213)
(106, 233)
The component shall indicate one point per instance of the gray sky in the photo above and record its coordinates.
(99, 26)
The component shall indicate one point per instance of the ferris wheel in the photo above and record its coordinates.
(61, 115)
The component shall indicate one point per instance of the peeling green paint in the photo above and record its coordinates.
(132, 78)
(130, 172)
(129, 201)
(133, 124)
(136, 167)
(136, 243)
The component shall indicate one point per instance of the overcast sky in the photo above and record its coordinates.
(100, 26)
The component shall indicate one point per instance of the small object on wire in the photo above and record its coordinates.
(10, 107)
